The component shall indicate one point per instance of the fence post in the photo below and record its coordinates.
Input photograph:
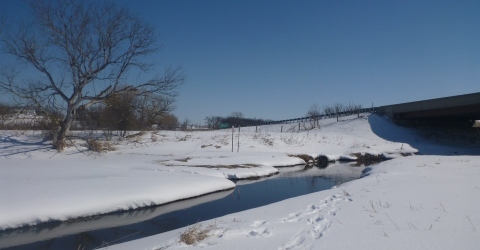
(233, 129)
(281, 129)
(238, 147)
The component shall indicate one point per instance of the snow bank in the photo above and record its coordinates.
(419, 202)
(35, 191)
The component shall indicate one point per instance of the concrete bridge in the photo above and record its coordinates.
(461, 108)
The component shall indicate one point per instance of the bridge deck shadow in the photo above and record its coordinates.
(429, 140)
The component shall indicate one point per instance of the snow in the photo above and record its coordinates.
(418, 202)
(62, 190)
(425, 201)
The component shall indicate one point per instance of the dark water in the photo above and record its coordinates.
(91, 233)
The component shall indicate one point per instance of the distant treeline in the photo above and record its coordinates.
(235, 119)
(121, 112)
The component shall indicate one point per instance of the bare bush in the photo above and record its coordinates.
(95, 145)
(195, 234)
(98, 146)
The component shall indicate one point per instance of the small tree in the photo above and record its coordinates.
(185, 124)
(217, 120)
(169, 122)
(235, 118)
(119, 113)
(315, 114)
(85, 52)
(210, 121)
(150, 109)
(6, 112)
(328, 111)
(357, 108)
(338, 108)
(237, 115)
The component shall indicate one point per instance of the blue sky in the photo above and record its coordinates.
(274, 59)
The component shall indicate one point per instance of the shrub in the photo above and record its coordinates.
(195, 234)
(94, 145)
(99, 147)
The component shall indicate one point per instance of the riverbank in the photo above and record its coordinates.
(418, 202)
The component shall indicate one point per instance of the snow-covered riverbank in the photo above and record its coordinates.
(418, 202)
(38, 184)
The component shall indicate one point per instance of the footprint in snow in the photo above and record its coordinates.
(319, 230)
(293, 217)
(295, 243)
(258, 223)
(315, 219)
(258, 232)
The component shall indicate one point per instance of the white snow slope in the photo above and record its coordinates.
(419, 202)
(412, 202)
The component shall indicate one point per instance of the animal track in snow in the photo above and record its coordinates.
(316, 219)
(258, 232)
(259, 223)
(318, 230)
(293, 217)
(296, 242)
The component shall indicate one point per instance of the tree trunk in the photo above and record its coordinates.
(59, 138)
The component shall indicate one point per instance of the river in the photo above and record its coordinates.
(104, 230)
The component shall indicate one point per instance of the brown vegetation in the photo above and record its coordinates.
(305, 157)
(195, 234)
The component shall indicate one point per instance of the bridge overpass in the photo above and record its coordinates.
(460, 108)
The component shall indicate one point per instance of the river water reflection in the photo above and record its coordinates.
(90, 233)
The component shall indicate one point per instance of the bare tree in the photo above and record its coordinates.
(237, 115)
(352, 108)
(210, 121)
(185, 124)
(84, 52)
(169, 122)
(235, 119)
(328, 111)
(120, 112)
(338, 108)
(217, 120)
(6, 112)
(357, 108)
(151, 108)
(314, 112)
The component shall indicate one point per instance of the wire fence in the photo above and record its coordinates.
(315, 118)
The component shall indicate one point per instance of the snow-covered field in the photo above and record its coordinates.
(421, 202)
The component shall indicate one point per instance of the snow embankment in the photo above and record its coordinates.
(418, 202)
(38, 191)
